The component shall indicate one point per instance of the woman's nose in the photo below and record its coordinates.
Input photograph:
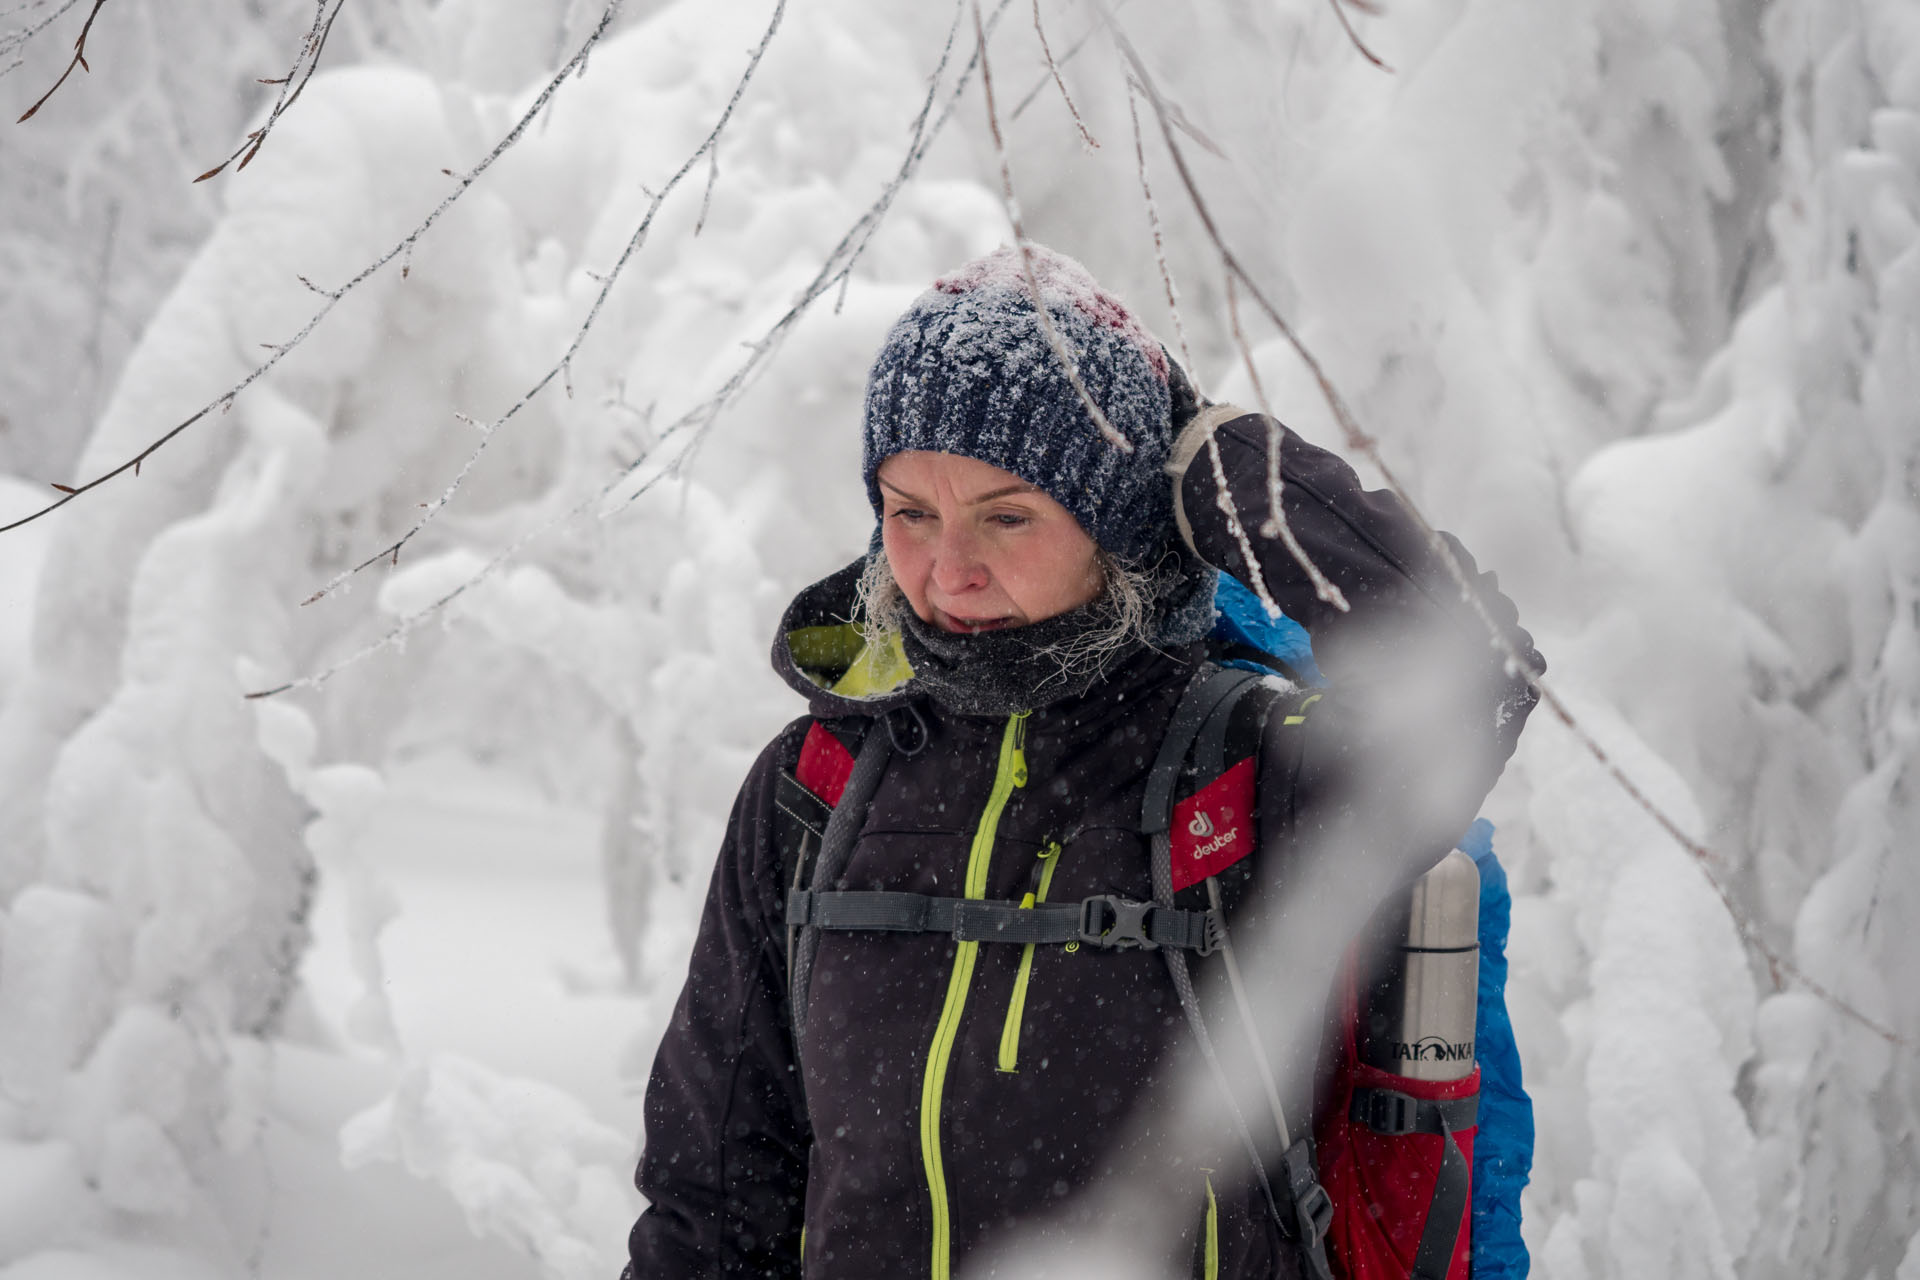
(957, 563)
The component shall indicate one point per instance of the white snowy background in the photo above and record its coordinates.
(363, 979)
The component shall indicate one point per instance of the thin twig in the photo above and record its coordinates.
(706, 197)
(1086, 135)
(292, 85)
(404, 629)
(79, 58)
(14, 41)
(696, 421)
(1237, 529)
(1223, 494)
(563, 366)
(1366, 445)
(1159, 241)
(1067, 363)
(465, 182)
(1073, 51)
(1276, 524)
(1346, 25)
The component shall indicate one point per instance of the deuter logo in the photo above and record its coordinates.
(1215, 845)
(1201, 826)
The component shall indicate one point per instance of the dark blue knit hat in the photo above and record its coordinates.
(968, 370)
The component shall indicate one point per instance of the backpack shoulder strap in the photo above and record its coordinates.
(850, 777)
(1199, 727)
(1210, 698)
(813, 776)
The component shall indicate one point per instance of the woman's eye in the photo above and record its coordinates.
(1008, 520)
(907, 515)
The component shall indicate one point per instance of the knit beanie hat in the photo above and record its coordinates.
(968, 370)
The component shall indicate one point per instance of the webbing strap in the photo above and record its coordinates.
(1104, 921)
(1203, 693)
(1206, 704)
(843, 828)
(1209, 687)
(1390, 1112)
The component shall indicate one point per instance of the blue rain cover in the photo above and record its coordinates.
(1503, 1144)
(1240, 618)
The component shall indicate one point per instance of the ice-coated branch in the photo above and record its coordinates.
(396, 638)
(1073, 51)
(331, 297)
(694, 422)
(1086, 135)
(79, 58)
(1363, 443)
(1276, 523)
(1159, 240)
(562, 368)
(12, 42)
(1223, 495)
(1068, 364)
(292, 85)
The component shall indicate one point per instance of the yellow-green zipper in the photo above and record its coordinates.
(1213, 1234)
(1011, 772)
(1017, 1006)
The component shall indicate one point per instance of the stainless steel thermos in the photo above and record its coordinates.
(1418, 1008)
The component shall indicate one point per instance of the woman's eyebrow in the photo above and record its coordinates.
(1002, 492)
(900, 493)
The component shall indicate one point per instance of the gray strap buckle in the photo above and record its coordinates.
(1115, 923)
(1386, 1111)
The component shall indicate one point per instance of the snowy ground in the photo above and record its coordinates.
(495, 953)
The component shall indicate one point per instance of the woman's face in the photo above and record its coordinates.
(976, 548)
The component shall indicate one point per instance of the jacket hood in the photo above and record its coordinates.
(819, 643)
(821, 654)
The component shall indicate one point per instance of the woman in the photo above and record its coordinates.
(1028, 622)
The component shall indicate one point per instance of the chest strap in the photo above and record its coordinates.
(1105, 921)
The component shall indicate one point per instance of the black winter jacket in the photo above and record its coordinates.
(956, 1094)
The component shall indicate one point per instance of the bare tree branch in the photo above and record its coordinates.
(1223, 494)
(1276, 525)
(1159, 241)
(79, 58)
(1358, 440)
(563, 366)
(404, 248)
(1346, 25)
(14, 41)
(1086, 135)
(693, 423)
(1068, 364)
(1073, 51)
(292, 85)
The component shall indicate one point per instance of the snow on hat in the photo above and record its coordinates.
(968, 370)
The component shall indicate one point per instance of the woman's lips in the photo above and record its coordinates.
(970, 626)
